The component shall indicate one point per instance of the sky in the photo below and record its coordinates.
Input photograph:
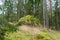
(1, 2)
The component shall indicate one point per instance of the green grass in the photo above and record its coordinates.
(41, 35)
(20, 35)
(54, 34)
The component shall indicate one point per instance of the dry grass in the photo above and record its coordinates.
(35, 30)
(30, 29)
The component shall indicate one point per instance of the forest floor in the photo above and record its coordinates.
(54, 34)
(34, 30)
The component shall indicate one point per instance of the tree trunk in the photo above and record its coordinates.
(45, 14)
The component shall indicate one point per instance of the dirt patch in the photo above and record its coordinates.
(30, 29)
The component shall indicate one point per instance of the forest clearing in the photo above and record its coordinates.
(29, 19)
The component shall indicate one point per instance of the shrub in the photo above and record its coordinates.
(29, 20)
(4, 27)
(43, 36)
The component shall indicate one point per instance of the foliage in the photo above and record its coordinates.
(4, 27)
(29, 20)
(18, 36)
(26, 36)
(44, 36)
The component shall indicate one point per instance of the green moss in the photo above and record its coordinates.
(29, 20)
(18, 36)
(44, 36)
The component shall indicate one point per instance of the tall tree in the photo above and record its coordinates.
(20, 8)
(45, 14)
(8, 9)
(56, 14)
(50, 12)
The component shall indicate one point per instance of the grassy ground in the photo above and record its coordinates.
(30, 33)
(54, 34)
